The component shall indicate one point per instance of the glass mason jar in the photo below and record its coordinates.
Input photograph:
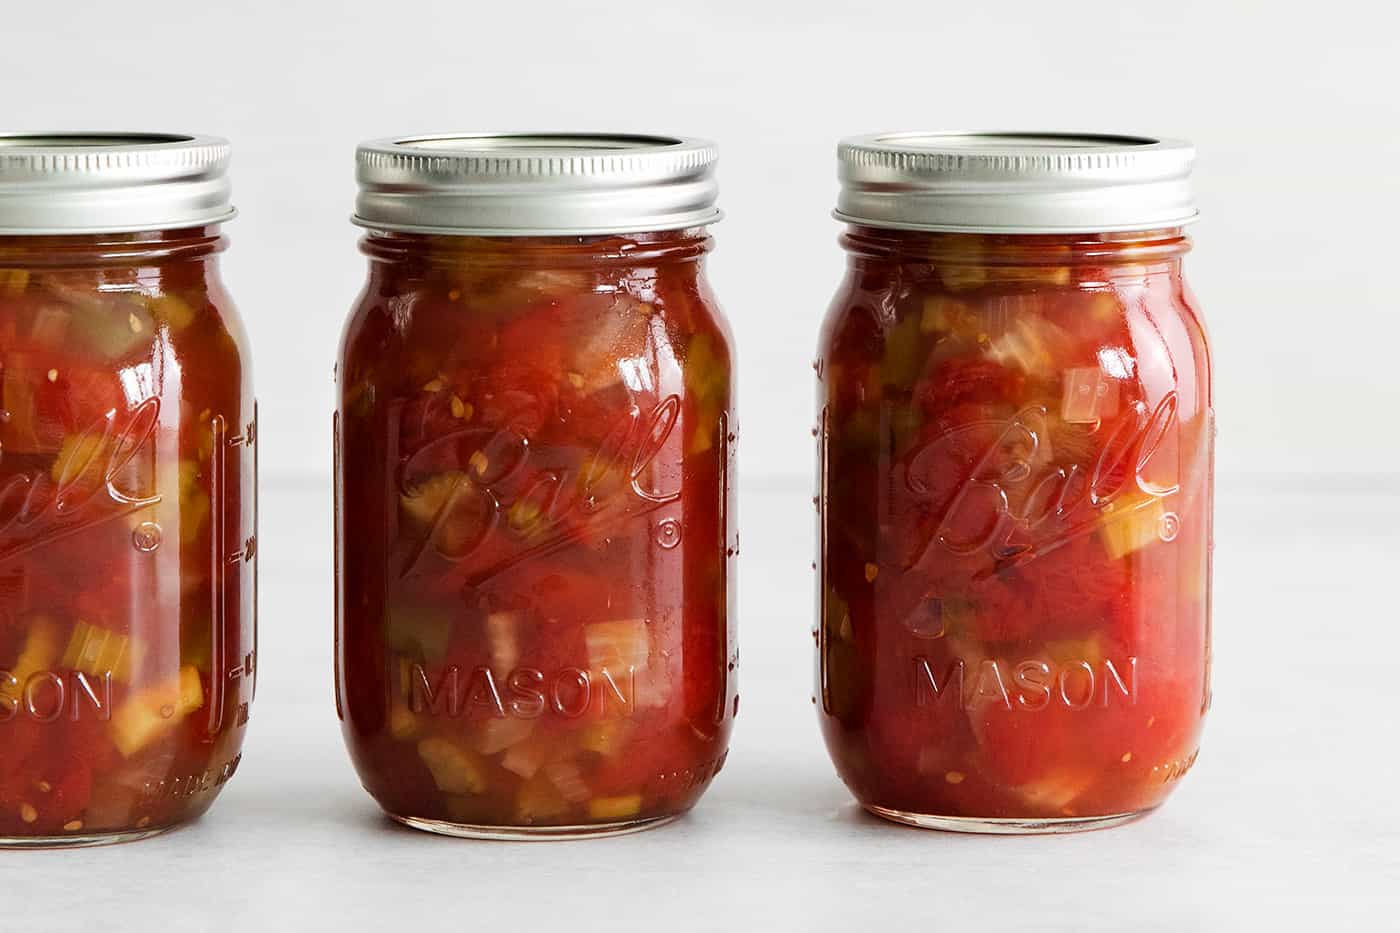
(1016, 443)
(127, 468)
(534, 480)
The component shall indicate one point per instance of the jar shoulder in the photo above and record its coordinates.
(1029, 319)
(543, 319)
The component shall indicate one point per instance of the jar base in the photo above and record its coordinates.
(1005, 827)
(531, 833)
(78, 840)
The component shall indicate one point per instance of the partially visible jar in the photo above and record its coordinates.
(534, 487)
(1016, 462)
(127, 470)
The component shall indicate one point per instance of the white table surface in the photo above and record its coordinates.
(1290, 816)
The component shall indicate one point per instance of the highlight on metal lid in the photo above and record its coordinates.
(98, 182)
(1009, 182)
(536, 184)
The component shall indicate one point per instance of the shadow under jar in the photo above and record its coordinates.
(534, 477)
(1016, 444)
(127, 471)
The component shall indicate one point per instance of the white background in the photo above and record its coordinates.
(1291, 814)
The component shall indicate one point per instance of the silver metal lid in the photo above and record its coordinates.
(74, 183)
(1015, 182)
(536, 184)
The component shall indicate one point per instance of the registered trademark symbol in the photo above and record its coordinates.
(146, 536)
(668, 533)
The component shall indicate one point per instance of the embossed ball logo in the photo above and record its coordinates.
(1015, 502)
(499, 485)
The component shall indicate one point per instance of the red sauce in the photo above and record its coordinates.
(535, 530)
(1015, 511)
(126, 533)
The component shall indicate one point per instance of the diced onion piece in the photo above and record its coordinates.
(702, 439)
(156, 710)
(402, 723)
(444, 503)
(707, 380)
(1131, 527)
(424, 502)
(175, 313)
(604, 738)
(98, 651)
(595, 470)
(616, 350)
(455, 770)
(947, 316)
(525, 758)
(496, 735)
(974, 275)
(1027, 342)
(549, 283)
(113, 324)
(524, 515)
(903, 353)
(615, 808)
(539, 799)
(194, 503)
(568, 780)
(1105, 307)
(1073, 650)
(1056, 791)
(75, 458)
(1089, 396)
(501, 636)
(50, 326)
(194, 512)
(618, 646)
(40, 650)
(653, 689)
(14, 281)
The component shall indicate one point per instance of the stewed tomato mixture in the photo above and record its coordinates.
(126, 548)
(1015, 439)
(534, 445)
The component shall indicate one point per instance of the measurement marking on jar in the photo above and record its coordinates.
(218, 428)
(222, 557)
(1175, 770)
(190, 784)
(688, 778)
(247, 668)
